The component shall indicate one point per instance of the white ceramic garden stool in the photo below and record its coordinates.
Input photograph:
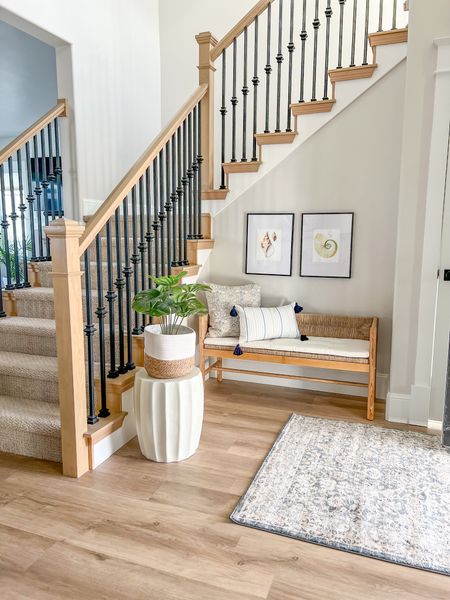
(169, 415)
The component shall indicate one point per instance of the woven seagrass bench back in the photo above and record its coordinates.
(318, 325)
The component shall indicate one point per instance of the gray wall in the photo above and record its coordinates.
(27, 81)
(352, 164)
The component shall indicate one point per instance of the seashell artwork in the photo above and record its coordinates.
(326, 245)
(268, 248)
(269, 242)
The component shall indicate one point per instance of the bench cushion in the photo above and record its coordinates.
(322, 348)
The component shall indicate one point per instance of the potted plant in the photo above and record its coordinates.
(169, 347)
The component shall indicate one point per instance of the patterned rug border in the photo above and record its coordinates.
(318, 540)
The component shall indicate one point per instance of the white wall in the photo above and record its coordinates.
(180, 22)
(428, 20)
(28, 81)
(112, 47)
(352, 164)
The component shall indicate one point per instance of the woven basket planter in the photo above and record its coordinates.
(169, 356)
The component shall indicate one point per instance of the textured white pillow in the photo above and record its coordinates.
(221, 299)
(267, 323)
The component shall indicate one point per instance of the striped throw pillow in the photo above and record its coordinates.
(267, 323)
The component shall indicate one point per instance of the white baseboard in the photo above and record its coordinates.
(382, 379)
(435, 424)
(397, 407)
(410, 408)
(110, 444)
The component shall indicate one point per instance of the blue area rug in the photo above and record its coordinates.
(376, 492)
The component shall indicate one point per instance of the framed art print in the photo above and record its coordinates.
(269, 244)
(326, 245)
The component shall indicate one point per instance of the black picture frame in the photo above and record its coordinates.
(290, 245)
(350, 255)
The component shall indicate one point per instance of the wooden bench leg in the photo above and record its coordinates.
(219, 373)
(371, 394)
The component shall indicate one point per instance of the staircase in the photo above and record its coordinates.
(69, 340)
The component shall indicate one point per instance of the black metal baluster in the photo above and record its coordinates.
(142, 246)
(234, 102)
(316, 25)
(5, 238)
(184, 181)
(89, 331)
(174, 200)
(245, 92)
(190, 176)
(195, 192)
(30, 200)
(58, 170)
(380, 16)
(279, 59)
(155, 223)
(13, 216)
(135, 257)
(199, 175)
(328, 13)
(255, 82)
(290, 48)
(120, 284)
(180, 195)
(111, 297)
(268, 67)
(101, 314)
(223, 112)
(162, 214)
(355, 15)
(168, 208)
(366, 33)
(45, 186)
(2, 310)
(303, 38)
(149, 233)
(127, 271)
(394, 15)
(51, 172)
(22, 208)
(37, 193)
(341, 32)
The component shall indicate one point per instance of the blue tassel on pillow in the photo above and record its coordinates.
(298, 308)
(304, 338)
(233, 312)
(238, 351)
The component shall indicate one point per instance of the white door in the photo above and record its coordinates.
(442, 324)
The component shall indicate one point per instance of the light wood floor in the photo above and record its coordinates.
(134, 529)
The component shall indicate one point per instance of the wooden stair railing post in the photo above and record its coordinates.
(206, 42)
(64, 237)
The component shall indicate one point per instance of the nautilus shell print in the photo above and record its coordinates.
(325, 246)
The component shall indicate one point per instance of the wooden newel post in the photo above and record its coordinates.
(64, 238)
(206, 42)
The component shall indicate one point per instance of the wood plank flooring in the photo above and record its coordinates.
(134, 529)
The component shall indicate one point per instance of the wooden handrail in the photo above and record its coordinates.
(107, 209)
(254, 12)
(60, 110)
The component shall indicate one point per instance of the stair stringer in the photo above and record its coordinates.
(388, 57)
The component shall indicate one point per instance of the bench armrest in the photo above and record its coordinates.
(373, 342)
(203, 321)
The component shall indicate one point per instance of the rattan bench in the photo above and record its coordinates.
(321, 330)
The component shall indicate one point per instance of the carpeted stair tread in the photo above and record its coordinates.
(28, 336)
(35, 302)
(39, 417)
(30, 428)
(43, 368)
